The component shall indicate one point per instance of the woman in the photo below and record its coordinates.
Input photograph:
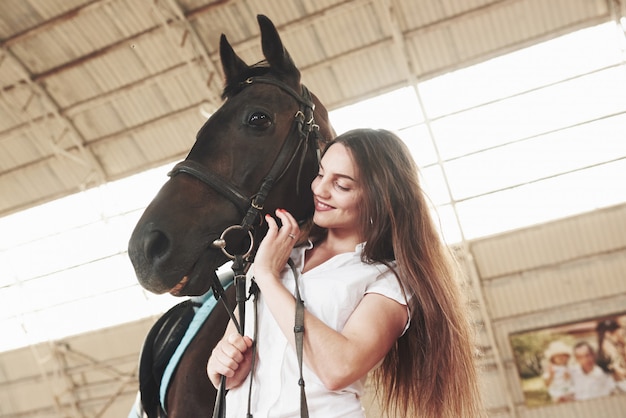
(612, 351)
(379, 292)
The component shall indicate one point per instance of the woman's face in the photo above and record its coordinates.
(337, 191)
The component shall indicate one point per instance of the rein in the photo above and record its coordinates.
(251, 207)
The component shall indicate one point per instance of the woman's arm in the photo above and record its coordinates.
(341, 358)
(337, 358)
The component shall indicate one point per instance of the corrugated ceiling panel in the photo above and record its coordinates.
(237, 21)
(340, 26)
(322, 81)
(19, 148)
(233, 19)
(303, 46)
(29, 395)
(10, 74)
(137, 109)
(465, 38)
(493, 391)
(150, 145)
(105, 73)
(281, 12)
(40, 179)
(73, 85)
(19, 105)
(174, 138)
(181, 73)
(118, 154)
(515, 22)
(594, 233)
(162, 49)
(113, 353)
(454, 7)
(10, 113)
(26, 14)
(32, 142)
(50, 8)
(368, 72)
(73, 171)
(186, 86)
(88, 31)
(101, 120)
(189, 5)
(411, 14)
(551, 288)
(431, 49)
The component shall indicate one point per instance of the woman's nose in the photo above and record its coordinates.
(319, 187)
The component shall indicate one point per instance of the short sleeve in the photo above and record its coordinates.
(388, 285)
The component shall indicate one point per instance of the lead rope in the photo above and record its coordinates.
(254, 292)
(298, 330)
(239, 267)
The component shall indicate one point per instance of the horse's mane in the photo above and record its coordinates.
(234, 86)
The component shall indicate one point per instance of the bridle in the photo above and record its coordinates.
(307, 131)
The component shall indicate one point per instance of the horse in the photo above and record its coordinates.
(258, 152)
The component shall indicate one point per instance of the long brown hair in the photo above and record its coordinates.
(431, 370)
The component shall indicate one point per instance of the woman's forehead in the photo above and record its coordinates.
(338, 160)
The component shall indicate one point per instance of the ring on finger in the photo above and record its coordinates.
(292, 236)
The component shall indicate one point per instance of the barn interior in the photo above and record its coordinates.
(513, 109)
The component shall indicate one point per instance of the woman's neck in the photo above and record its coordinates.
(330, 245)
(341, 241)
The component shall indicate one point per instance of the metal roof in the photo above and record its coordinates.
(95, 90)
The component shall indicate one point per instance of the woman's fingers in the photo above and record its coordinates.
(275, 248)
(227, 356)
(289, 229)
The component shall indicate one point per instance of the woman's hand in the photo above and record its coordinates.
(231, 357)
(276, 247)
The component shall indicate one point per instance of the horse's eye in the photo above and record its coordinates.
(259, 120)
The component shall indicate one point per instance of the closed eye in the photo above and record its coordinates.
(336, 184)
(342, 188)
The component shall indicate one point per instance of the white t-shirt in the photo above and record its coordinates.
(331, 292)
(591, 385)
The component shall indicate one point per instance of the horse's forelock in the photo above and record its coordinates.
(235, 86)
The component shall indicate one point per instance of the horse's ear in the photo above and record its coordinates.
(231, 63)
(274, 51)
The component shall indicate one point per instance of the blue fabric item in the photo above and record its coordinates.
(202, 313)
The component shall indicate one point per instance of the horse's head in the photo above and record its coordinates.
(256, 153)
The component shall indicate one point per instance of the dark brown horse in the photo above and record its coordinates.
(256, 153)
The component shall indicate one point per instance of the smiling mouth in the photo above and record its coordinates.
(322, 206)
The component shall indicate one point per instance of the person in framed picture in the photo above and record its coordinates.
(558, 374)
(590, 381)
(612, 351)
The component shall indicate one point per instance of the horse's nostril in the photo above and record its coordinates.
(156, 245)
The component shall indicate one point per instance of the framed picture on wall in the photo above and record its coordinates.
(572, 362)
